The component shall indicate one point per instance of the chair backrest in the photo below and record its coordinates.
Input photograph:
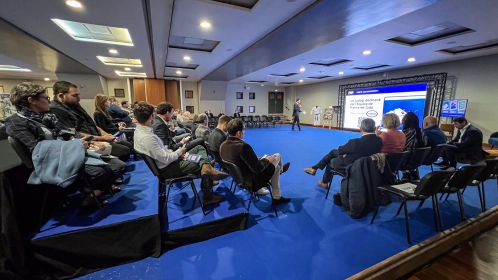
(270, 118)
(447, 127)
(22, 151)
(235, 172)
(491, 168)
(251, 119)
(396, 160)
(151, 163)
(465, 175)
(256, 118)
(416, 158)
(263, 118)
(276, 118)
(433, 182)
(436, 152)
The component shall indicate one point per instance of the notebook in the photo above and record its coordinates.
(193, 158)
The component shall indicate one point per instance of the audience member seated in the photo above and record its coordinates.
(34, 123)
(202, 131)
(236, 115)
(256, 171)
(117, 114)
(209, 114)
(415, 138)
(102, 117)
(393, 140)
(467, 144)
(179, 117)
(187, 122)
(172, 163)
(126, 106)
(435, 136)
(337, 159)
(221, 114)
(66, 106)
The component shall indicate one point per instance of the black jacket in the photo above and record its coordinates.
(257, 172)
(296, 110)
(215, 139)
(236, 115)
(74, 116)
(105, 122)
(162, 130)
(471, 143)
(354, 149)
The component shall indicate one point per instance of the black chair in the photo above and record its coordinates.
(256, 120)
(168, 182)
(264, 120)
(248, 122)
(428, 186)
(271, 121)
(415, 159)
(487, 173)
(396, 161)
(434, 155)
(239, 180)
(335, 173)
(460, 180)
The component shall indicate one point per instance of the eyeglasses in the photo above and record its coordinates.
(45, 97)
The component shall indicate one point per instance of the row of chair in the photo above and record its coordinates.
(261, 121)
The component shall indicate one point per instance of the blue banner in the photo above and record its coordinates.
(391, 89)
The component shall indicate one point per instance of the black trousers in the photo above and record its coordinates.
(327, 162)
(122, 150)
(452, 154)
(296, 120)
(102, 177)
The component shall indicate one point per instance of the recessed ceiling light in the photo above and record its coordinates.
(186, 57)
(73, 3)
(131, 74)
(302, 69)
(95, 33)
(367, 52)
(113, 51)
(127, 69)
(120, 61)
(47, 79)
(262, 85)
(300, 81)
(276, 90)
(205, 24)
(13, 68)
(341, 73)
(411, 59)
(178, 72)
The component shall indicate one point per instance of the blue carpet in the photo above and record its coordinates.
(137, 199)
(312, 238)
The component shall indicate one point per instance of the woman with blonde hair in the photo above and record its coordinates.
(393, 140)
(102, 117)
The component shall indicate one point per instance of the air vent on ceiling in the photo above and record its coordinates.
(131, 74)
(246, 4)
(283, 75)
(194, 44)
(175, 77)
(256, 82)
(319, 77)
(371, 67)
(330, 62)
(430, 34)
(95, 33)
(287, 83)
(181, 65)
(470, 48)
(119, 61)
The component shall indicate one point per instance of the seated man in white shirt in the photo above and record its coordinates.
(172, 163)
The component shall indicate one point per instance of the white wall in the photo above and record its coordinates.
(190, 101)
(477, 81)
(260, 101)
(121, 84)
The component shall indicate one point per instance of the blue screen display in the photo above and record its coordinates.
(454, 108)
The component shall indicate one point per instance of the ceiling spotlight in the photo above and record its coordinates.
(367, 52)
(300, 81)
(302, 69)
(73, 3)
(47, 79)
(113, 51)
(178, 72)
(411, 59)
(205, 24)
(262, 85)
(127, 69)
(276, 90)
(186, 57)
(341, 73)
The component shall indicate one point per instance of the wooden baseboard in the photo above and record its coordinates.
(423, 253)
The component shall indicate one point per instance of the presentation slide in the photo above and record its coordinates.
(374, 102)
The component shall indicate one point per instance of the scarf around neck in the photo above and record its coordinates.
(47, 119)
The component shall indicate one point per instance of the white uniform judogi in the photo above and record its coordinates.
(316, 111)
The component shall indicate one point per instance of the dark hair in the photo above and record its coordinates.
(297, 100)
(123, 102)
(143, 111)
(63, 87)
(224, 119)
(460, 120)
(202, 118)
(163, 108)
(411, 121)
(235, 126)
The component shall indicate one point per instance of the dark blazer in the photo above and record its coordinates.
(236, 115)
(215, 139)
(296, 110)
(471, 144)
(119, 115)
(105, 122)
(354, 149)
(257, 172)
(74, 116)
(162, 130)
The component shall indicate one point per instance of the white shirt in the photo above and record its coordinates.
(146, 142)
(462, 131)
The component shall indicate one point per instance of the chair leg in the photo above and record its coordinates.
(400, 206)
(194, 189)
(464, 190)
(483, 197)
(271, 195)
(92, 194)
(432, 168)
(377, 208)
(421, 203)
(480, 197)
(330, 185)
(40, 221)
(407, 224)
(437, 214)
(448, 195)
(166, 197)
(460, 204)
(441, 197)
(250, 200)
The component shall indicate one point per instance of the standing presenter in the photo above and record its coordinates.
(295, 114)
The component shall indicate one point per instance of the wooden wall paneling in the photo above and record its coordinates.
(155, 91)
(172, 93)
(139, 90)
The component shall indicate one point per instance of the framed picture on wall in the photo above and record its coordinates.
(240, 95)
(252, 95)
(119, 92)
(241, 109)
(189, 94)
(190, 109)
(252, 109)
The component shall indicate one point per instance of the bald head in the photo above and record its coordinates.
(429, 121)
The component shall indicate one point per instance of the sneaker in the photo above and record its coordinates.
(281, 200)
(285, 167)
(263, 191)
(323, 185)
(310, 171)
(208, 171)
(215, 199)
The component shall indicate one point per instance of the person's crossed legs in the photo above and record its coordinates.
(326, 162)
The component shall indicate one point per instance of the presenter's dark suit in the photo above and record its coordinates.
(469, 148)
(256, 172)
(236, 116)
(295, 114)
(345, 155)
(161, 129)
